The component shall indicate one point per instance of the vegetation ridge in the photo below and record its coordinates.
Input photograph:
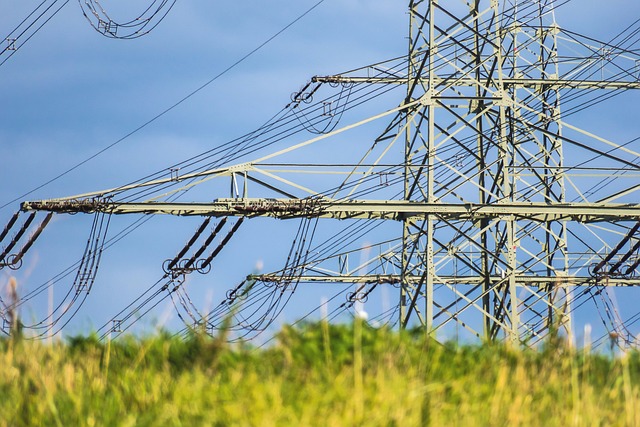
(313, 374)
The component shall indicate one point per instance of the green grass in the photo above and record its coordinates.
(316, 374)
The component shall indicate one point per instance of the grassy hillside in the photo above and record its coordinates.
(315, 374)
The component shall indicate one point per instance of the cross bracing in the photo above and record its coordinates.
(507, 215)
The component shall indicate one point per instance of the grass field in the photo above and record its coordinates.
(313, 374)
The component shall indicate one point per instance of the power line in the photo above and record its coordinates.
(13, 42)
(167, 110)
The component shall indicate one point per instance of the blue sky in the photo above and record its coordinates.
(69, 92)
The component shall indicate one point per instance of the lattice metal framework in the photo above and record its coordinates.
(506, 215)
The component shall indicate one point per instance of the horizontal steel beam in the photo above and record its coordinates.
(506, 82)
(344, 209)
(394, 279)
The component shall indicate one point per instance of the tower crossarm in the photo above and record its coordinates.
(344, 209)
(394, 279)
(546, 84)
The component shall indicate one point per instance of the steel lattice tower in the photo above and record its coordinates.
(504, 225)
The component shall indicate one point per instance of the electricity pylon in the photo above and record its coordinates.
(503, 219)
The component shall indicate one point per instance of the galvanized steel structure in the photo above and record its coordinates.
(507, 215)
